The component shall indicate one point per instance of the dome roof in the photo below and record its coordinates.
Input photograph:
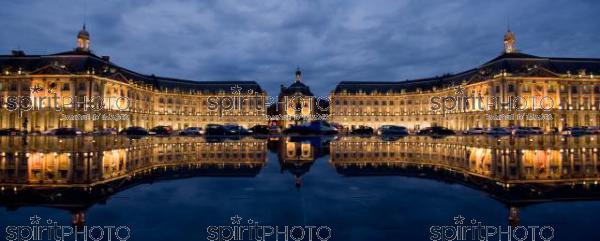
(83, 33)
(509, 36)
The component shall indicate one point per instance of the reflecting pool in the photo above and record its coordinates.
(359, 188)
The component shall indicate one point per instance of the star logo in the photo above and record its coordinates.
(36, 89)
(35, 219)
(459, 219)
(236, 90)
(236, 219)
(459, 90)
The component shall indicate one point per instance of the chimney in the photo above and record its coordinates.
(106, 58)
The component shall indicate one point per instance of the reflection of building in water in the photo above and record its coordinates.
(297, 154)
(73, 173)
(522, 160)
(517, 172)
(88, 160)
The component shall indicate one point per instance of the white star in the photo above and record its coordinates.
(236, 219)
(236, 90)
(459, 219)
(459, 90)
(35, 219)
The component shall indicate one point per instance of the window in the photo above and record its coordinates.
(574, 89)
(497, 89)
(82, 86)
(66, 87)
(511, 88)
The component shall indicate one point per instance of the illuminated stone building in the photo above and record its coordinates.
(141, 100)
(567, 88)
(296, 103)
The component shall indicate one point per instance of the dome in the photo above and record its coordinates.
(83, 33)
(509, 36)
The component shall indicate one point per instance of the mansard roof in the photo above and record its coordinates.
(517, 64)
(84, 62)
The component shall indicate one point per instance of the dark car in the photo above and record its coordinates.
(214, 130)
(105, 131)
(362, 130)
(68, 132)
(134, 131)
(161, 131)
(391, 130)
(436, 131)
(259, 130)
(314, 127)
(9, 132)
(235, 130)
(192, 131)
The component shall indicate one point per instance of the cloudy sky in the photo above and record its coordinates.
(331, 40)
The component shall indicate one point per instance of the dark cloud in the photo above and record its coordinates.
(335, 40)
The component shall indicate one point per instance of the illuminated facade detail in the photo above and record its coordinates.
(296, 102)
(131, 98)
(572, 84)
(83, 40)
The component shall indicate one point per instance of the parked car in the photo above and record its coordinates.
(522, 131)
(536, 130)
(314, 127)
(259, 130)
(192, 131)
(105, 131)
(475, 131)
(274, 129)
(499, 131)
(391, 130)
(593, 129)
(575, 131)
(9, 132)
(134, 131)
(50, 132)
(436, 131)
(68, 132)
(232, 129)
(214, 130)
(362, 130)
(161, 130)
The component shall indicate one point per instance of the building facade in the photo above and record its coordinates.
(513, 89)
(296, 104)
(80, 89)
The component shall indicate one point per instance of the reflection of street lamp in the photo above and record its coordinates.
(24, 132)
(24, 125)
